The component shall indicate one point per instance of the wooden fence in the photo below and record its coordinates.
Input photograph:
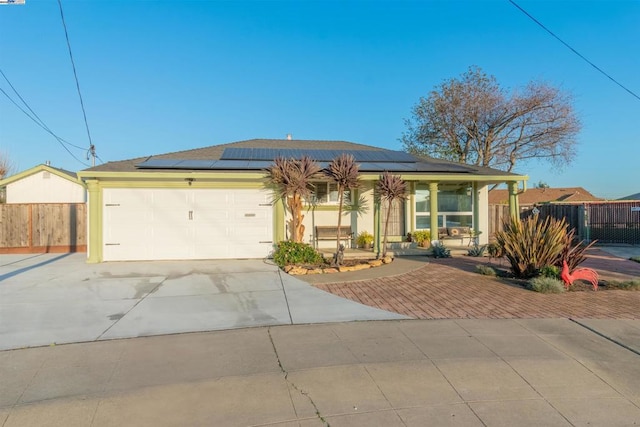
(38, 228)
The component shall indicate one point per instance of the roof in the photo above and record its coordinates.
(543, 195)
(62, 173)
(258, 154)
(631, 197)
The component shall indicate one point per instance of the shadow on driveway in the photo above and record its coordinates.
(30, 267)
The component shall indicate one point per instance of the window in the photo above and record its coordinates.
(327, 193)
(454, 207)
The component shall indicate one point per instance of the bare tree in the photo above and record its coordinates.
(473, 120)
(291, 182)
(344, 171)
(6, 165)
(389, 188)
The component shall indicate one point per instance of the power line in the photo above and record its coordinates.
(75, 75)
(573, 50)
(39, 121)
(60, 140)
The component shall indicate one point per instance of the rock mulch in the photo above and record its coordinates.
(351, 265)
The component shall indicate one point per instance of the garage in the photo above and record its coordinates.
(176, 224)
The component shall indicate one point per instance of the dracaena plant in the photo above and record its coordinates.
(389, 188)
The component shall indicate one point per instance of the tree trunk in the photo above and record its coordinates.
(386, 228)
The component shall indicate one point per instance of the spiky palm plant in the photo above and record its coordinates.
(530, 244)
(345, 172)
(290, 180)
(389, 188)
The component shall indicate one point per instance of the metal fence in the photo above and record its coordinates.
(607, 222)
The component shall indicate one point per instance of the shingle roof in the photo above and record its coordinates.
(215, 152)
(544, 195)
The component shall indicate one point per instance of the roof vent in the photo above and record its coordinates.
(289, 136)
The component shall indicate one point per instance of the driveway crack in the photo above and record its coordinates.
(132, 307)
(295, 387)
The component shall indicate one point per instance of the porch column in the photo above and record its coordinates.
(376, 228)
(433, 209)
(94, 225)
(476, 207)
(514, 208)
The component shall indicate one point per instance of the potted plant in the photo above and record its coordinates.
(422, 238)
(365, 240)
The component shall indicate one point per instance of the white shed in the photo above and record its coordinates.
(44, 184)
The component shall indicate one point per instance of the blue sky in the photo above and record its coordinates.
(162, 76)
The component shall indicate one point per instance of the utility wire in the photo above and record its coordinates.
(573, 50)
(60, 140)
(75, 75)
(39, 121)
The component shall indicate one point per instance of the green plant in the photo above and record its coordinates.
(550, 271)
(440, 251)
(421, 236)
(477, 250)
(546, 285)
(626, 285)
(531, 244)
(485, 270)
(365, 238)
(389, 188)
(495, 250)
(288, 252)
(573, 251)
(635, 258)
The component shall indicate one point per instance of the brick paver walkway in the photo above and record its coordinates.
(449, 289)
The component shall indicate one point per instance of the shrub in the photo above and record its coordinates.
(365, 238)
(495, 250)
(546, 285)
(550, 271)
(635, 258)
(485, 270)
(627, 285)
(440, 251)
(421, 236)
(477, 250)
(296, 253)
(573, 251)
(530, 244)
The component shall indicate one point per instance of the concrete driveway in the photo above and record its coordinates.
(58, 298)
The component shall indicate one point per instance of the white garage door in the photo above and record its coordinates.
(164, 224)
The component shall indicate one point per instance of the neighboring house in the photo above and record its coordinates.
(213, 202)
(44, 184)
(631, 197)
(537, 196)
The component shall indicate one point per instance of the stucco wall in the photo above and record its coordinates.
(45, 187)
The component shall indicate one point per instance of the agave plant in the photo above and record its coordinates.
(389, 188)
(345, 172)
(291, 182)
(530, 244)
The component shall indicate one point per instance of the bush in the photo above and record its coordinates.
(635, 258)
(421, 236)
(530, 244)
(477, 250)
(440, 251)
(296, 253)
(495, 250)
(485, 270)
(550, 271)
(627, 285)
(546, 285)
(365, 238)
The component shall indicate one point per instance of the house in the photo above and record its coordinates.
(538, 196)
(631, 197)
(43, 184)
(214, 202)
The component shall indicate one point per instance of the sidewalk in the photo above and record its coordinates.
(530, 372)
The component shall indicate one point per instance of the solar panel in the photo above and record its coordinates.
(235, 153)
